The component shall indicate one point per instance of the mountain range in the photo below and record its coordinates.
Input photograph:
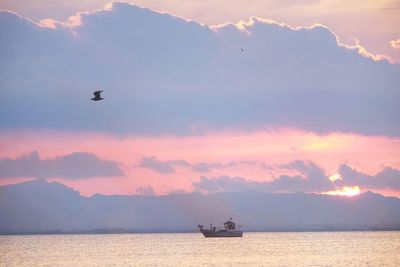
(39, 206)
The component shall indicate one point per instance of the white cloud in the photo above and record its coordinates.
(163, 75)
(395, 44)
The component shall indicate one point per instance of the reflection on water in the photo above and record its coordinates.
(254, 249)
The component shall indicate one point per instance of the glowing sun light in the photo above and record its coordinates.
(347, 191)
(335, 177)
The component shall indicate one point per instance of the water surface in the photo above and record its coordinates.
(254, 249)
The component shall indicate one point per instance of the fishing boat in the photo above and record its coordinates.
(229, 230)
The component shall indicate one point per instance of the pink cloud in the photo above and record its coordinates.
(244, 154)
(395, 44)
(49, 23)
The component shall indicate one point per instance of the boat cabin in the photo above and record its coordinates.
(230, 225)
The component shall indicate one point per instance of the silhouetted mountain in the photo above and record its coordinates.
(39, 206)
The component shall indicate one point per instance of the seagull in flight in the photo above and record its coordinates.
(97, 96)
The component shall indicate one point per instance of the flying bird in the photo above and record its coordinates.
(242, 49)
(97, 96)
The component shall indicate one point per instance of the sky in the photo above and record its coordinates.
(370, 23)
(201, 96)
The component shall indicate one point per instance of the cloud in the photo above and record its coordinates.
(225, 183)
(78, 165)
(312, 178)
(388, 178)
(166, 167)
(154, 164)
(169, 166)
(145, 191)
(207, 167)
(202, 167)
(165, 75)
(284, 183)
(309, 178)
(304, 167)
(395, 44)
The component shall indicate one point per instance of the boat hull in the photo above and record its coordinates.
(209, 233)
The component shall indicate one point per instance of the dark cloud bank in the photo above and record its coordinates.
(78, 165)
(161, 74)
(311, 179)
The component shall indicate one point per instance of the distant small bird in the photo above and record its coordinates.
(97, 96)
(241, 49)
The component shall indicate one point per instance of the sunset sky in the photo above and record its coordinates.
(204, 96)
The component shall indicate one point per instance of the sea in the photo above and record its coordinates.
(192, 249)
